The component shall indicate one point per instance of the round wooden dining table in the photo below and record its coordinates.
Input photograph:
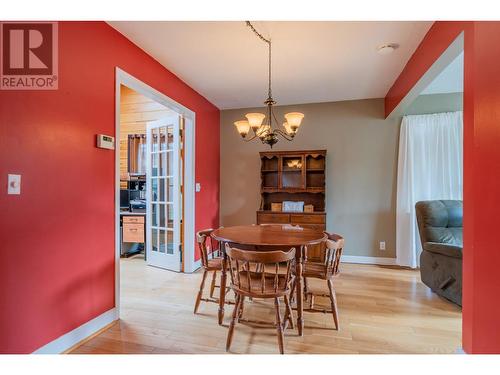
(266, 238)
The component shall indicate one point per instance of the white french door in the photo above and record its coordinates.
(163, 193)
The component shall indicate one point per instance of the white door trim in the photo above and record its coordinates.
(123, 78)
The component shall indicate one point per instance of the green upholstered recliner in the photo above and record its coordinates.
(440, 227)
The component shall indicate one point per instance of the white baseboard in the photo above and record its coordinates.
(368, 260)
(73, 337)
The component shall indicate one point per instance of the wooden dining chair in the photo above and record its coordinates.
(211, 261)
(326, 268)
(256, 274)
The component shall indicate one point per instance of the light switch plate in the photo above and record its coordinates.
(14, 184)
(197, 187)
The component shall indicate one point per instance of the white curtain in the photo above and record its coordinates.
(429, 167)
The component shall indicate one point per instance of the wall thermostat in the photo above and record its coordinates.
(105, 141)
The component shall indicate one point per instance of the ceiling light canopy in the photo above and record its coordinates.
(266, 132)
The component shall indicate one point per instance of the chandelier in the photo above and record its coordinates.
(269, 132)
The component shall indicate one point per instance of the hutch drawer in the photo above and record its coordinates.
(307, 219)
(133, 232)
(272, 218)
(133, 219)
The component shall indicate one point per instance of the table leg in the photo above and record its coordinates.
(222, 298)
(299, 290)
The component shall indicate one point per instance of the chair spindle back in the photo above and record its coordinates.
(207, 245)
(333, 252)
(258, 272)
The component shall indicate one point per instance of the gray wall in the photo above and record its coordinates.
(361, 167)
(361, 170)
(435, 103)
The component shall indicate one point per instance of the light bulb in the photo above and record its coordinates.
(288, 129)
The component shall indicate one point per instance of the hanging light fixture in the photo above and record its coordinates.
(269, 132)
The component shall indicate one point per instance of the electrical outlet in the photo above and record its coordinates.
(382, 245)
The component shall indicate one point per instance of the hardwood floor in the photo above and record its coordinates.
(382, 310)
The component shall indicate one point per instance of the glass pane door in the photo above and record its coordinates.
(163, 193)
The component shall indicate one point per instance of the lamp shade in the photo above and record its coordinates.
(294, 119)
(243, 127)
(255, 120)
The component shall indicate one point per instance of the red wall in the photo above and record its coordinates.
(481, 258)
(57, 237)
(482, 189)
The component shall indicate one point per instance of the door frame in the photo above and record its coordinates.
(126, 79)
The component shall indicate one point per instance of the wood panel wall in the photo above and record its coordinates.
(135, 111)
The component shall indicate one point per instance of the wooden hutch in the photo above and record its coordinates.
(297, 176)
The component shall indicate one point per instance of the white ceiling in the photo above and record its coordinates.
(312, 61)
(451, 79)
